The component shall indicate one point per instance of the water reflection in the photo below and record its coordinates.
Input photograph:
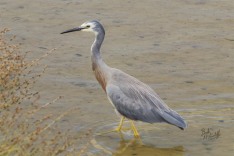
(135, 146)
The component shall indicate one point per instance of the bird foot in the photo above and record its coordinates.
(119, 129)
(135, 133)
(115, 130)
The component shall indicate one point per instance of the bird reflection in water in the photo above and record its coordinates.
(135, 146)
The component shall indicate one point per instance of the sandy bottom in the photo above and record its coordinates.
(182, 49)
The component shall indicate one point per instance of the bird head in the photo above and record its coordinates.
(90, 26)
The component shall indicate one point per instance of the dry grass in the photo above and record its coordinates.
(21, 131)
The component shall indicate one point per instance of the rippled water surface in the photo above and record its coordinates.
(183, 49)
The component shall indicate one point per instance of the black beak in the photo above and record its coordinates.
(72, 30)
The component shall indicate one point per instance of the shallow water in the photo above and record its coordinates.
(182, 49)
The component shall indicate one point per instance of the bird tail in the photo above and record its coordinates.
(174, 118)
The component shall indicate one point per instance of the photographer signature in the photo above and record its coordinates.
(210, 134)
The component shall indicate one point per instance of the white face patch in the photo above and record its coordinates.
(88, 26)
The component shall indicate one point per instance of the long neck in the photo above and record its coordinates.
(98, 65)
(95, 48)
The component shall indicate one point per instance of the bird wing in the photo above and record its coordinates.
(137, 101)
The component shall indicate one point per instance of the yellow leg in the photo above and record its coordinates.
(118, 129)
(135, 132)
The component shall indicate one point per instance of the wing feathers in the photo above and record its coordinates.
(137, 101)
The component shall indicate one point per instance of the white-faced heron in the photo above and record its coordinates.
(131, 98)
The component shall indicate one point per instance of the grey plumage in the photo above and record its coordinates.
(137, 101)
(131, 98)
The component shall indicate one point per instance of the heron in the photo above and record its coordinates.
(131, 98)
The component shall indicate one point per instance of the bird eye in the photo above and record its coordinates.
(87, 26)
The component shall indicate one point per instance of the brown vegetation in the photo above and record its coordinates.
(21, 131)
